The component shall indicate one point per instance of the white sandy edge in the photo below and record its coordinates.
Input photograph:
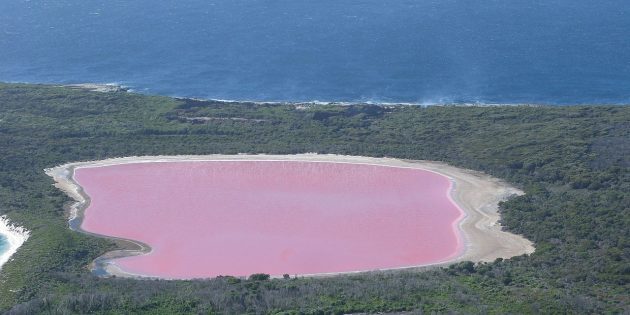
(16, 236)
(477, 195)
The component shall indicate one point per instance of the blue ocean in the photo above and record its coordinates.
(4, 244)
(412, 51)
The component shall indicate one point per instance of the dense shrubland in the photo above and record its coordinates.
(571, 161)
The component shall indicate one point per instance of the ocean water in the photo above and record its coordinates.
(4, 244)
(420, 51)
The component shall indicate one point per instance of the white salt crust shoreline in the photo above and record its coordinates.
(15, 235)
(476, 194)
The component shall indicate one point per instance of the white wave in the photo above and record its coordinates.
(16, 236)
(439, 102)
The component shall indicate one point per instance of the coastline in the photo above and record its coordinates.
(118, 87)
(98, 87)
(476, 195)
(16, 236)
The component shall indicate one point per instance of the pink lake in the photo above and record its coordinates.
(209, 218)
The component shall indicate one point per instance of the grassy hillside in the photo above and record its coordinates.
(571, 161)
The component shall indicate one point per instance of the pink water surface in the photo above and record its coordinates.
(204, 219)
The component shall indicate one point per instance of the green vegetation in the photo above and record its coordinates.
(571, 161)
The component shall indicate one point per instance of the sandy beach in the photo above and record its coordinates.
(476, 194)
(16, 236)
(98, 87)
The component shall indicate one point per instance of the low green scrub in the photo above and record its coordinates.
(571, 161)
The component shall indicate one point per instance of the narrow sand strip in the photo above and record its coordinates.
(16, 236)
(477, 194)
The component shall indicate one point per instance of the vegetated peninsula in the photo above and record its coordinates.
(571, 163)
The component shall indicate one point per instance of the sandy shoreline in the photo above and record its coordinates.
(476, 194)
(98, 87)
(16, 236)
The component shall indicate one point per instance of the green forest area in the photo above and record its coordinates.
(572, 162)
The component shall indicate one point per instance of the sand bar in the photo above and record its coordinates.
(475, 193)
